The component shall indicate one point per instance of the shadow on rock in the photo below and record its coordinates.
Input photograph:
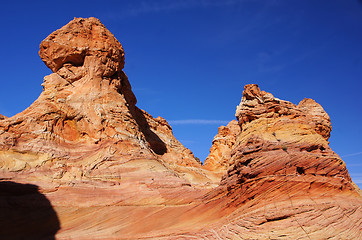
(154, 141)
(25, 213)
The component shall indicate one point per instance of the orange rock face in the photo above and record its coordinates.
(2, 117)
(222, 144)
(78, 40)
(86, 157)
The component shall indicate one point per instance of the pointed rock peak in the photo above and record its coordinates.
(2, 117)
(318, 116)
(252, 91)
(221, 149)
(253, 104)
(79, 39)
(87, 60)
(256, 104)
(87, 104)
(314, 108)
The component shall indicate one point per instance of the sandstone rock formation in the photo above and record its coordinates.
(112, 171)
(222, 144)
(2, 117)
(88, 104)
(282, 171)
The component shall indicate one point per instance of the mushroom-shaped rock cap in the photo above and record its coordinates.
(82, 37)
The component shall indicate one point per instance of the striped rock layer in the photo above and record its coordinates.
(84, 162)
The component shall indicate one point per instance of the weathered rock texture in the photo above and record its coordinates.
(222, 145)
(112, 171)
(283, 180)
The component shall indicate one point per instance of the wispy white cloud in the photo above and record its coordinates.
(167, 5)
(352, 154)
(197, 122)
(137, 8)
(266, 62)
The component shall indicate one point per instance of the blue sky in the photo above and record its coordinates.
(188, 60)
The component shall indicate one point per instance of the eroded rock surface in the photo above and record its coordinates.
(112, 171)
(87, 103)
(283, 173)
(2, 117)
(222, 145)
(79, 40)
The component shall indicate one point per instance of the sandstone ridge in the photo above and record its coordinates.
(112, 171)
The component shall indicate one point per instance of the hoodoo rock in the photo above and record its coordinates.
(88, 104)
(84, 156)
(81, 39)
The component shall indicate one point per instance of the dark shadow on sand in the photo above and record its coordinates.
(25, 213)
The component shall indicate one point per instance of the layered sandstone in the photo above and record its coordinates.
(112, 171)
(283, 171)
(87, 104)
(2, 117)
(222, 145)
